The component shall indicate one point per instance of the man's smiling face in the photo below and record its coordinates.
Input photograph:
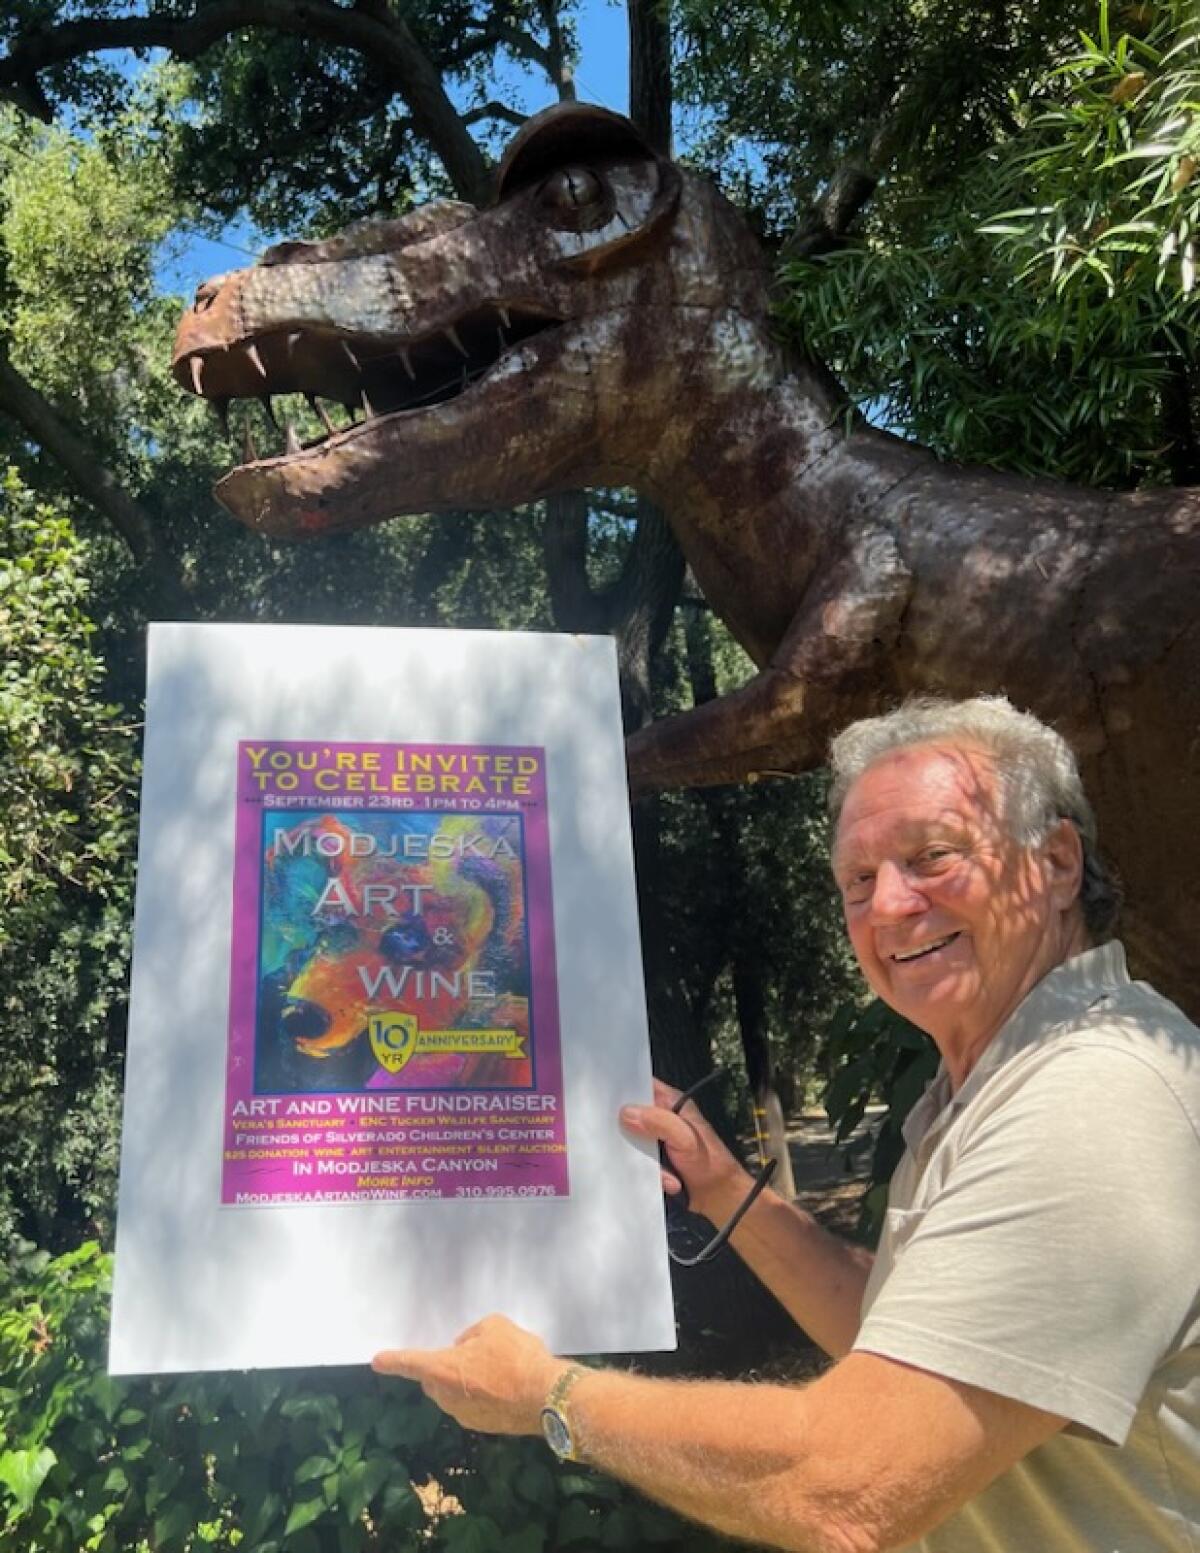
(952, 921)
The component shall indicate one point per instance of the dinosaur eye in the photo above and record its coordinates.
(575, 198)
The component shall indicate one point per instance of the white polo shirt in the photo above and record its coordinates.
(1043, 1242)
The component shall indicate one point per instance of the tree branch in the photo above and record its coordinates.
(650, 71)
(574, 604)
(96, 484)
(824, 225)
(43, 423)
(523, 44)
(386, 39)
(559, 66)
(496, 110)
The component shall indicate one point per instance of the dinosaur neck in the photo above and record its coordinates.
(754, 471)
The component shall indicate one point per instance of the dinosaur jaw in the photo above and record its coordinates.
(406, 391)
(451, 442)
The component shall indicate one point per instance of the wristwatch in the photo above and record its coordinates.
(556, 1425)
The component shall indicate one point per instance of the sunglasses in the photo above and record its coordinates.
(677, 1202)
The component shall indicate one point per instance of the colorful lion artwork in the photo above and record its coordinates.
(417, 915)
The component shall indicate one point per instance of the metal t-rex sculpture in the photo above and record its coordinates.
(606, 323)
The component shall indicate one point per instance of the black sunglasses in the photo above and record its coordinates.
(677, 1202)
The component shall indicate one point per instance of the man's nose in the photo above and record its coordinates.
(895, 894)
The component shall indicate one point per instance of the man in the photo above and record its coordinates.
(1019, 1364)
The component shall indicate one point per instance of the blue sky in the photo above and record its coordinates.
(602, 76)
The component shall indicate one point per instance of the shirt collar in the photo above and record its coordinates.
(1062, 994)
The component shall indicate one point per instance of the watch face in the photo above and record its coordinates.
(558, 1436)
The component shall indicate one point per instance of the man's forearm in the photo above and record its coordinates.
(730, 1456)
(817, 1277)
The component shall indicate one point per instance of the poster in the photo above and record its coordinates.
(386, 1003)
(393, 1028)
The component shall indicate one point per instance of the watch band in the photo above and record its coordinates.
(556, 1422)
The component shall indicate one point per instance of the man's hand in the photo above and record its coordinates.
(494, 1377)
(716, 1182)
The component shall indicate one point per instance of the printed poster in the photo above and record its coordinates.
(386, 1003)
(393, 1030)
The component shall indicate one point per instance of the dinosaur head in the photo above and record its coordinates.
(494, 355)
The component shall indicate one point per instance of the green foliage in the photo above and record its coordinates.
(264, 1462)
(67, 770)
(1037, 312)
(874, 1054)
(784, 93)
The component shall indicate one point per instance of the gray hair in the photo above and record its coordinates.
(1039, 777)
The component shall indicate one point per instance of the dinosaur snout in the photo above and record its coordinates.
(209, 326)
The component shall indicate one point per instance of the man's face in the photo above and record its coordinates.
(951, 920)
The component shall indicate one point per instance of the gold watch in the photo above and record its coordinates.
(556, 1425)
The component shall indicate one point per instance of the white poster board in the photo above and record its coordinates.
(387, 1000)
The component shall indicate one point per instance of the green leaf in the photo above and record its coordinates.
(315, 1467)
(174, 1524)
(576, 1523)
(535, 1482)
(303, 1513)
(264, 1513)
(471, 1534)
(620, 1529)
(360, 1483)
(24, 1471)
(530, 1539)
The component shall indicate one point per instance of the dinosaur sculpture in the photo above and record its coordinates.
(605, 322)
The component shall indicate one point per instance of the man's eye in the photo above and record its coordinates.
(932, 857)
(858, 888)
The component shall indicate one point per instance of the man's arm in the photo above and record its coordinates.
(869, 1457)
(818, 1278)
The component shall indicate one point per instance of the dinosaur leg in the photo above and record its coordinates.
(831, 666)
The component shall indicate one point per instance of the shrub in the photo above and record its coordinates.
(268, 1462)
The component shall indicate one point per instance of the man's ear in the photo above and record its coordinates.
(1062, 853)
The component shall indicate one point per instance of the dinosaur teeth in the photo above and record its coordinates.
(265, 401)
(256, 360)
(350, 356)
(293, 340)
(452, 335)
(197, 366)
(406, 362)
(315, 405)
(368, 407)
(505, 317)
(291, 440)
(249, 451)
(503, 339)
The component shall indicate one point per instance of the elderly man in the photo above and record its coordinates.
(1018, 1366)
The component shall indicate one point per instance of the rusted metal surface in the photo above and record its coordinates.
(606, 322)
